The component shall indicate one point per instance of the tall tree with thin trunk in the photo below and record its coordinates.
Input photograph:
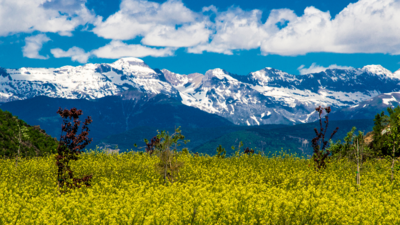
(393, 133)
(24, 133)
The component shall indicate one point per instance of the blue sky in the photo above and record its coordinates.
(187, 36)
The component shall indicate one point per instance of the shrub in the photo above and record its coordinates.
(221, 153)
(168, 166)
(348, 147)
(248, 151)
(320, 153)
(69, 148)
(237, 153)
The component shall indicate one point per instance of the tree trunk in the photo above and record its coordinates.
(393, 162)
(16, 160)
(362, 151)
(358, 164)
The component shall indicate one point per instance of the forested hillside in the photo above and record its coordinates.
(17, 134)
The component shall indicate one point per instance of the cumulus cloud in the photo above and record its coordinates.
(75, 53)
(56, 16)
(367, 26)
(185, 36)
(211, 8)
(168, 24)
(118, 49)
(33, 44)
(235, 29)
(314, 68)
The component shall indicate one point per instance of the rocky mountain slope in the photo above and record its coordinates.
(369, 108)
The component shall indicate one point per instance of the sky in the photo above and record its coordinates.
(188, 36)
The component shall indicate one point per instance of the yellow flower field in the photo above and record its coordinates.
(126, 189)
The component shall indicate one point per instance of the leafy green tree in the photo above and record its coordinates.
(349, 146)
(165, 146)
(237, 153)
(393, 133)
(221, 152)
(378, 144)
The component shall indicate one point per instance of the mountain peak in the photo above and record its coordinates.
(218, 73)
(132, 65)
(397, 73)
(130, 59)
(377, 69)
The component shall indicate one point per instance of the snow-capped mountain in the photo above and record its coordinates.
(90, 81)
(267, 96)
(369, 108)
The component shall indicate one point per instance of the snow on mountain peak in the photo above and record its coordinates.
(377, 69)
(130, 59)
(218, 73)
(397, 73)
(132, 65)
(268, 74)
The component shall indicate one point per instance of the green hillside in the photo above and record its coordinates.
(267, 138)
(197, 136)
(35, 142)
(286, 138)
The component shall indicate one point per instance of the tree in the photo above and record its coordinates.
(169, 165)
(221, 153)
(378, 145)
(24, 135)
(70, 147)
(348, 147)
(237, 153)
(393, 133)
(318, 143)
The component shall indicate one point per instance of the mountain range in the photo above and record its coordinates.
(129, 101)
(267, 96)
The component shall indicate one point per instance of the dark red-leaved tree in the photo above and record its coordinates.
(70, 146)
(248, 151)
(152, 144)
(320, 155)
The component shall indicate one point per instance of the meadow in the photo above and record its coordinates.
(244, 189)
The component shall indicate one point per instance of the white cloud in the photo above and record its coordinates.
(185, 36)
(234, 29)
(168, 24)
(57, 16)
(314, 68)
(211, 8)
(367, 26)
(118, 49)
(76, 54)
(33, 44)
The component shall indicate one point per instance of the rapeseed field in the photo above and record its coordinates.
(249, 189)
